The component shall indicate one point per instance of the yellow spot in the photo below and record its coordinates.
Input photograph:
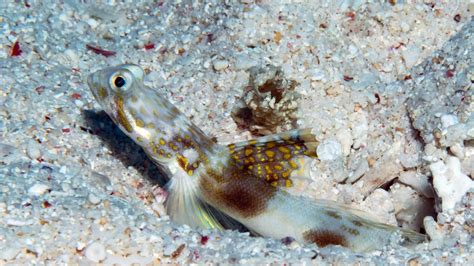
(195, 165)
(293, 164)
(267, 168)
(288, 183)
(190, 172)
(150, 125)
(187, 137)
(236, 157)
(102, 92)
(274, 183)
(278, 167)
(252, 142)
(285, 174)
(134, 99)
(248, 152)
(179, 139)
(139, 139)
(173, 147)
(142, 110)
(284, 149)
(251, 159)
(140, 123)
(271, 144)
(155, 150)
(162, 141)
(250, 167)
(169, 155)
(270, 153)
(287, 156)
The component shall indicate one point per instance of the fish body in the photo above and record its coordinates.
(213, 185)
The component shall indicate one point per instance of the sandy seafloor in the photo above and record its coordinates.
(386, 87)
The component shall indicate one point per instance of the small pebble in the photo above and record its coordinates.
(33, 150)
(169, 249)
(93, 199)
(449, 120)
(220, 64)
(37, 190)
(243, 63)
(8, 253)
(329, 150)
(95, 252)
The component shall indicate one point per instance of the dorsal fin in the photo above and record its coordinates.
(278, 158)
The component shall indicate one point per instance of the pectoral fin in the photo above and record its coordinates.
(185, 206)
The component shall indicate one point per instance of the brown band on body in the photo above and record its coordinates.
(323, 238)
(242, 194)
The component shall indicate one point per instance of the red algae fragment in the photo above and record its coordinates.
(16, 50)
(348, 78)
(39, 89)
(149, 46)
(100, 51)
(204, 240)
(76, 96)
(450, 73)
(66, 130)
(351, 15)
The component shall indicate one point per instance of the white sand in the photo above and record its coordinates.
(386, 88)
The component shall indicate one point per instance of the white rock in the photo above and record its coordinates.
(410, 207)
(410, 55)
(405, 27)
(316, 74)
(33, 150)
(244, 62)
(38, 190)
(71, 55)
(432, 228)
(449, 120)
(220, 64)
(95, 252)
(9, 253)
(361, 168)
(381, 207)
(169, 249)
(458, 150)
(417, 181)
(17, 222)
(449, 182)
(360, 129)
(329, 150)
(93, 199)
(343, 135)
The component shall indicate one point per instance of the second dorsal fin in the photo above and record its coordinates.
(278, 158)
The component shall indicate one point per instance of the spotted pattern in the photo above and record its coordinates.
(274, 158)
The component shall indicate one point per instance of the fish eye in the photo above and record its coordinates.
(119, 81)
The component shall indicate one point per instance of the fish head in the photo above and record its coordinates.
(120, 92)
(111, 84)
